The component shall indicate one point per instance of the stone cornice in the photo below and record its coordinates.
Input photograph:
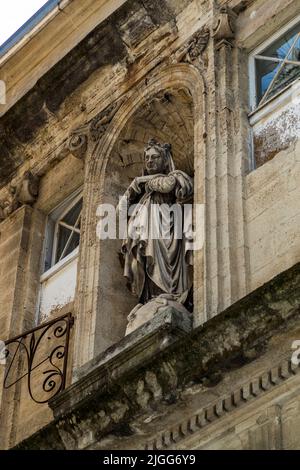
(25, 54)
(252, 389)
(153, 371)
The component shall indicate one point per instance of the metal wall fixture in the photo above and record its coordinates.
(40, 355)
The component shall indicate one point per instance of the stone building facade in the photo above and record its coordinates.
(85, 91)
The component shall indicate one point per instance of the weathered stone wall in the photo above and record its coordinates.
(93, 103)
(273, 215)
(277, 131)
(21, 235)
(21, 248)
(12, 233)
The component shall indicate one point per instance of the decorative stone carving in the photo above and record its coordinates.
(157, 256)
(224, 26)
(78, 141)
(26, 192)
(92, 131)
(100, 123)
(194, 48)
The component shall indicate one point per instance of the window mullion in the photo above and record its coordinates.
(70, 227)
(265, 57)
(275, 59)
(55, 244)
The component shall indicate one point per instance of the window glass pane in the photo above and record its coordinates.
(266, 71)
(63, 237)
(71, 217)
(288, 74)
(65, 245)
(74, 243)
(63, 234)
(280, 48)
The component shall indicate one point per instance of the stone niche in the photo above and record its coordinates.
(167, 117)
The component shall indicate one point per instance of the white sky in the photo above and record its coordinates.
(14, 13)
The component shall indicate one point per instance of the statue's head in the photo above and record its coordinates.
(158, 158)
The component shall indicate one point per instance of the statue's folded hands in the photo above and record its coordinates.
(161, 184)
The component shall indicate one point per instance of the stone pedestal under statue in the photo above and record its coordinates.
(145, 313)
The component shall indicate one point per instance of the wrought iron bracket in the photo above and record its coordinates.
(40, 352)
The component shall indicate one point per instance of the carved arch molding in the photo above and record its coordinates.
(95, 327)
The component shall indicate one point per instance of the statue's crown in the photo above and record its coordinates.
(154, 143)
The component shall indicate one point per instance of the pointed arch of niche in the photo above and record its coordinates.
(171, 108)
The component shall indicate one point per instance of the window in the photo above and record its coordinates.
(63, 231)
(58, 281)
(275, 65)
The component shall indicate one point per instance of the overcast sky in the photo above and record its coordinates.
(14, 13)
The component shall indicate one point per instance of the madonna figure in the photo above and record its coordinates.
(157, 251)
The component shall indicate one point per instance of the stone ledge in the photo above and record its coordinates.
(133, 351)
(115, 394)
(256, 386)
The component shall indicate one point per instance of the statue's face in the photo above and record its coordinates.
(154, 161)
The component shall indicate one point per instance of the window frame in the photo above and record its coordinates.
(254, 106)
(51, 238)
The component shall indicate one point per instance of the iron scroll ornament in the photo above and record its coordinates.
(32, 349)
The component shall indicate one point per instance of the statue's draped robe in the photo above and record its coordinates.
(159, 264)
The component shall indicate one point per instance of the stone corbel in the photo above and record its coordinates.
(192, 51)
(224, 27)
(89, 134)
(28, 190)
(25, 192)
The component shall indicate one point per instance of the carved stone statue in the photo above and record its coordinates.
(157, 252)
